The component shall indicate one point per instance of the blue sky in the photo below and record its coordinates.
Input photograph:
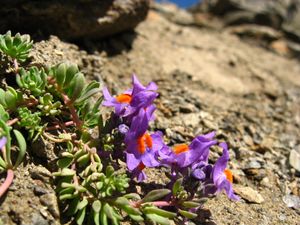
(182, 3)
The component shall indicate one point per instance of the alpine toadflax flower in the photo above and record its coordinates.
(131, 101)
(222, 177)
(184, 155)
(141, 147)
(3, 141)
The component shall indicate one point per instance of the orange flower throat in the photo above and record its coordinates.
(143, 142)
(180, 148)
(228, 175)
(141, 166)
(124, 98)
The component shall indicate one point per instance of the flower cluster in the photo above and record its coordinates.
(55, 105)
(143, 149)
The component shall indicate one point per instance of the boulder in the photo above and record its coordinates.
(264, 12)
(72, 19)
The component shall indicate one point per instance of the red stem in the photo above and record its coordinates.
(73, 112)
(69, 103)
(69, 123)
(7, 182)
(12, 122)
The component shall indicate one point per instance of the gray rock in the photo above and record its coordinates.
(40, 173)
(291, 26)
(292, 201)
(257, 32)
(279, 14)
(50, 201)
(73, 19)
(38, 219)
(39, 190)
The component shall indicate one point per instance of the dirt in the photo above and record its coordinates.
(208, 80)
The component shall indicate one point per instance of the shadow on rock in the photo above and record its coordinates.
(72, 20)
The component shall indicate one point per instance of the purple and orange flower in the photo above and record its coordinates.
(222, 177)
(131, 101)
(184, 155)
(141, 147)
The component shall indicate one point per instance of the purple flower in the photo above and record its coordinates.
(123, 128)
(3, 141)
(130, 102)
(139, 173)
(142, 147)
(184, 155)
(222, 177)
(201, 170)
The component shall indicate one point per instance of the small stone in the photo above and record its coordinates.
(249, 194)
(248, 140)
(292, 201)
(50, 201)
(187, 108)
(38, 219)
(266, 182)
(39, 190)
(254, 165)
(294, 160)
(40, 173)
(282, 217)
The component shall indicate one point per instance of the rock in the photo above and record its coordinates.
(40, 173)
(187, 108)
(38, 219)
(249, 194)
(292, 201)
(265, 12)
(292, 26)
(50, 201)
(261, 33)
(294, 160)
(286, 48)
(73, 19)
(266, 182)
(39, 190)
(282, 14)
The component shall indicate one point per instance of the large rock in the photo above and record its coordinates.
(292, 25)
(279, 14)
(72, 19)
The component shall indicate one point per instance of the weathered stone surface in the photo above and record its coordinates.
(73, 19)
(256, 32)
(294, 160)
(249, 194)
(281, 14)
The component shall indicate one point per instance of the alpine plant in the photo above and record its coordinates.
(102, 156)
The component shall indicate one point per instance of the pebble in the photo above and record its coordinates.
(40, 173)
(294, 160)
(292, 201)
(249, 194)
(39, 190)
(266, 182)
(253, 164)
(38, 219)
(50, 201)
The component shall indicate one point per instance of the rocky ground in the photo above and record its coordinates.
(208, 80)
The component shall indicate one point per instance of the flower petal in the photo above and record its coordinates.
(131, 161)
